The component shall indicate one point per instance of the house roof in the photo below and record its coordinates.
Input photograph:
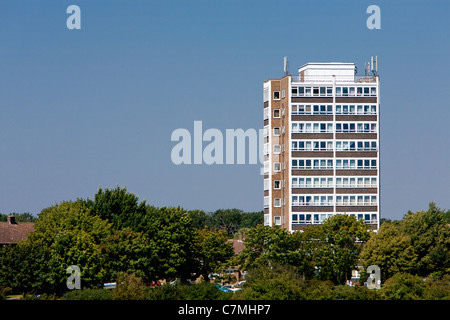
(238, 245)
(11, 233)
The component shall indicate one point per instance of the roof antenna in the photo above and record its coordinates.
(374, 65)
(286, 66)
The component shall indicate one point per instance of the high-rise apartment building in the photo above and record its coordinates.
(321, 146)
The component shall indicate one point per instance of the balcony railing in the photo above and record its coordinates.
(339, 78)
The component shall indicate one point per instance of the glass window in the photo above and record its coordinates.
(276, 131)
(277, 202)
(277, 149)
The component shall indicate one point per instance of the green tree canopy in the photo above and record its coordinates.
(419, 244)
(335, 246)
(213, 250)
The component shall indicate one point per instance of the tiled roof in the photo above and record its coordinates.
(11, 233)
(238, 245)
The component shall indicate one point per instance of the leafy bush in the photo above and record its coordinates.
(403, 286)
(437, 289)
(89, 294)
(129, 287)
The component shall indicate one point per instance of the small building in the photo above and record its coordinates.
(11, 232)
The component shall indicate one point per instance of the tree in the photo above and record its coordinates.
(20, 217)
(200, 219)
(419, 244)
(70, 235)
(172, 237)
(403, 286)
(251, 219)
(25, 268)
(128, 251)
(391, 250)
(69, 215)
(120, 207)
(266, 245)
(76, 247)
(212, 250)
(430, 238)
(280, 282)
(227, 219)
(335, 246)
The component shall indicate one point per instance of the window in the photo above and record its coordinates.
(356, 182)
(356, 200)
(313, 200)
(266, 184)
(359, 127)
(312, 127)
(301, 91)
(277, 166)
(276, 95)
(266, 94)
(322, 109)
(266, 202)
(276, 131)
(277, 220)
(315, 164)
(294, 91)
(312, 182)
(277, 184)
(356, 145)
(353, 164)
(313, 145)
(277, 203)
(276, 149)
(276, 113)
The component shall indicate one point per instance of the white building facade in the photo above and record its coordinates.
(321, 146)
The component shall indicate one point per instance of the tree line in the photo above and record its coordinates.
(116, 235)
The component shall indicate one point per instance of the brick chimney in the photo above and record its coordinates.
(11, 219)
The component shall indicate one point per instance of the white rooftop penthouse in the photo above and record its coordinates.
(329, 72)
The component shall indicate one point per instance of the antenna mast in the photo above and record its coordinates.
(286, 66)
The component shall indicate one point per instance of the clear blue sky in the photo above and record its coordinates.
(80, 109)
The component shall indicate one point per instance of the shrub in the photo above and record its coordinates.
(438, 289)
(129, 287)
(403, 286)
(89, 294)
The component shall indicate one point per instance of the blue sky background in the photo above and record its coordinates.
(80, 109)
